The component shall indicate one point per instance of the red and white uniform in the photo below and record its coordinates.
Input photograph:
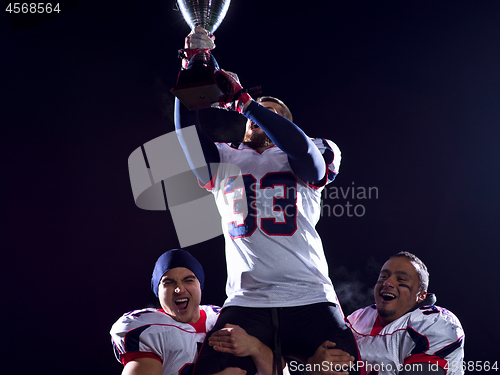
(429, 334)
(150, 333)
(274, 253)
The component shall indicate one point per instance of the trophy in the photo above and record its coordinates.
(205, 13)
(196, 87)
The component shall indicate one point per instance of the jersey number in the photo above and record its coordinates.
(280, 189)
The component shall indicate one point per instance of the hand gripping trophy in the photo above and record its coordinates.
(197, 86)
(201, 83)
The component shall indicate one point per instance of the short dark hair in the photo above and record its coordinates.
(286, 111)
(423, 274)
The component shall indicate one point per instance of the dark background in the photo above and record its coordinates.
(410, 91)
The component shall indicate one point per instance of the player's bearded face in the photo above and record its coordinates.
(397, 289)
(179, 293)
(255, 136)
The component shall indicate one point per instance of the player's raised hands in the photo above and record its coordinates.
(335, 359)
(237, 99)
(199, 38)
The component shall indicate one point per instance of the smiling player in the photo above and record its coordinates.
(398, 335)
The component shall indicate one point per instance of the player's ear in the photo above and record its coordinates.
(421, 296)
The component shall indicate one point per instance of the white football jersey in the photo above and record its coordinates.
(274, 255)
(150, 333)
(427, 334)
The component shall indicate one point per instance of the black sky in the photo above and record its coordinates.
(410, 92)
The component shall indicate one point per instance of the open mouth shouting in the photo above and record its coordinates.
(179, 293)
(182, 304)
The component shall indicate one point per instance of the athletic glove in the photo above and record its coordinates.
(199, 40)
(237, 99)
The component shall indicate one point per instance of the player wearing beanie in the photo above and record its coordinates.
(166, 341)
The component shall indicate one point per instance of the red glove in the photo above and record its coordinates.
(236, 97)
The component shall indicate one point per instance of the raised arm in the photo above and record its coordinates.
(304, 157)
(198, 40)
(183, 118)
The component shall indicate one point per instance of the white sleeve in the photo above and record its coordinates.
(437, 335)
(134, 334)
(331, 154)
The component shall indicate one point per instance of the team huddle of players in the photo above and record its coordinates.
(281, 312)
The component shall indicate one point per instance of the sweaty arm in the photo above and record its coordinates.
(304, 157)
(184, 118)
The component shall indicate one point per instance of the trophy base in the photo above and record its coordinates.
(196, 88)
